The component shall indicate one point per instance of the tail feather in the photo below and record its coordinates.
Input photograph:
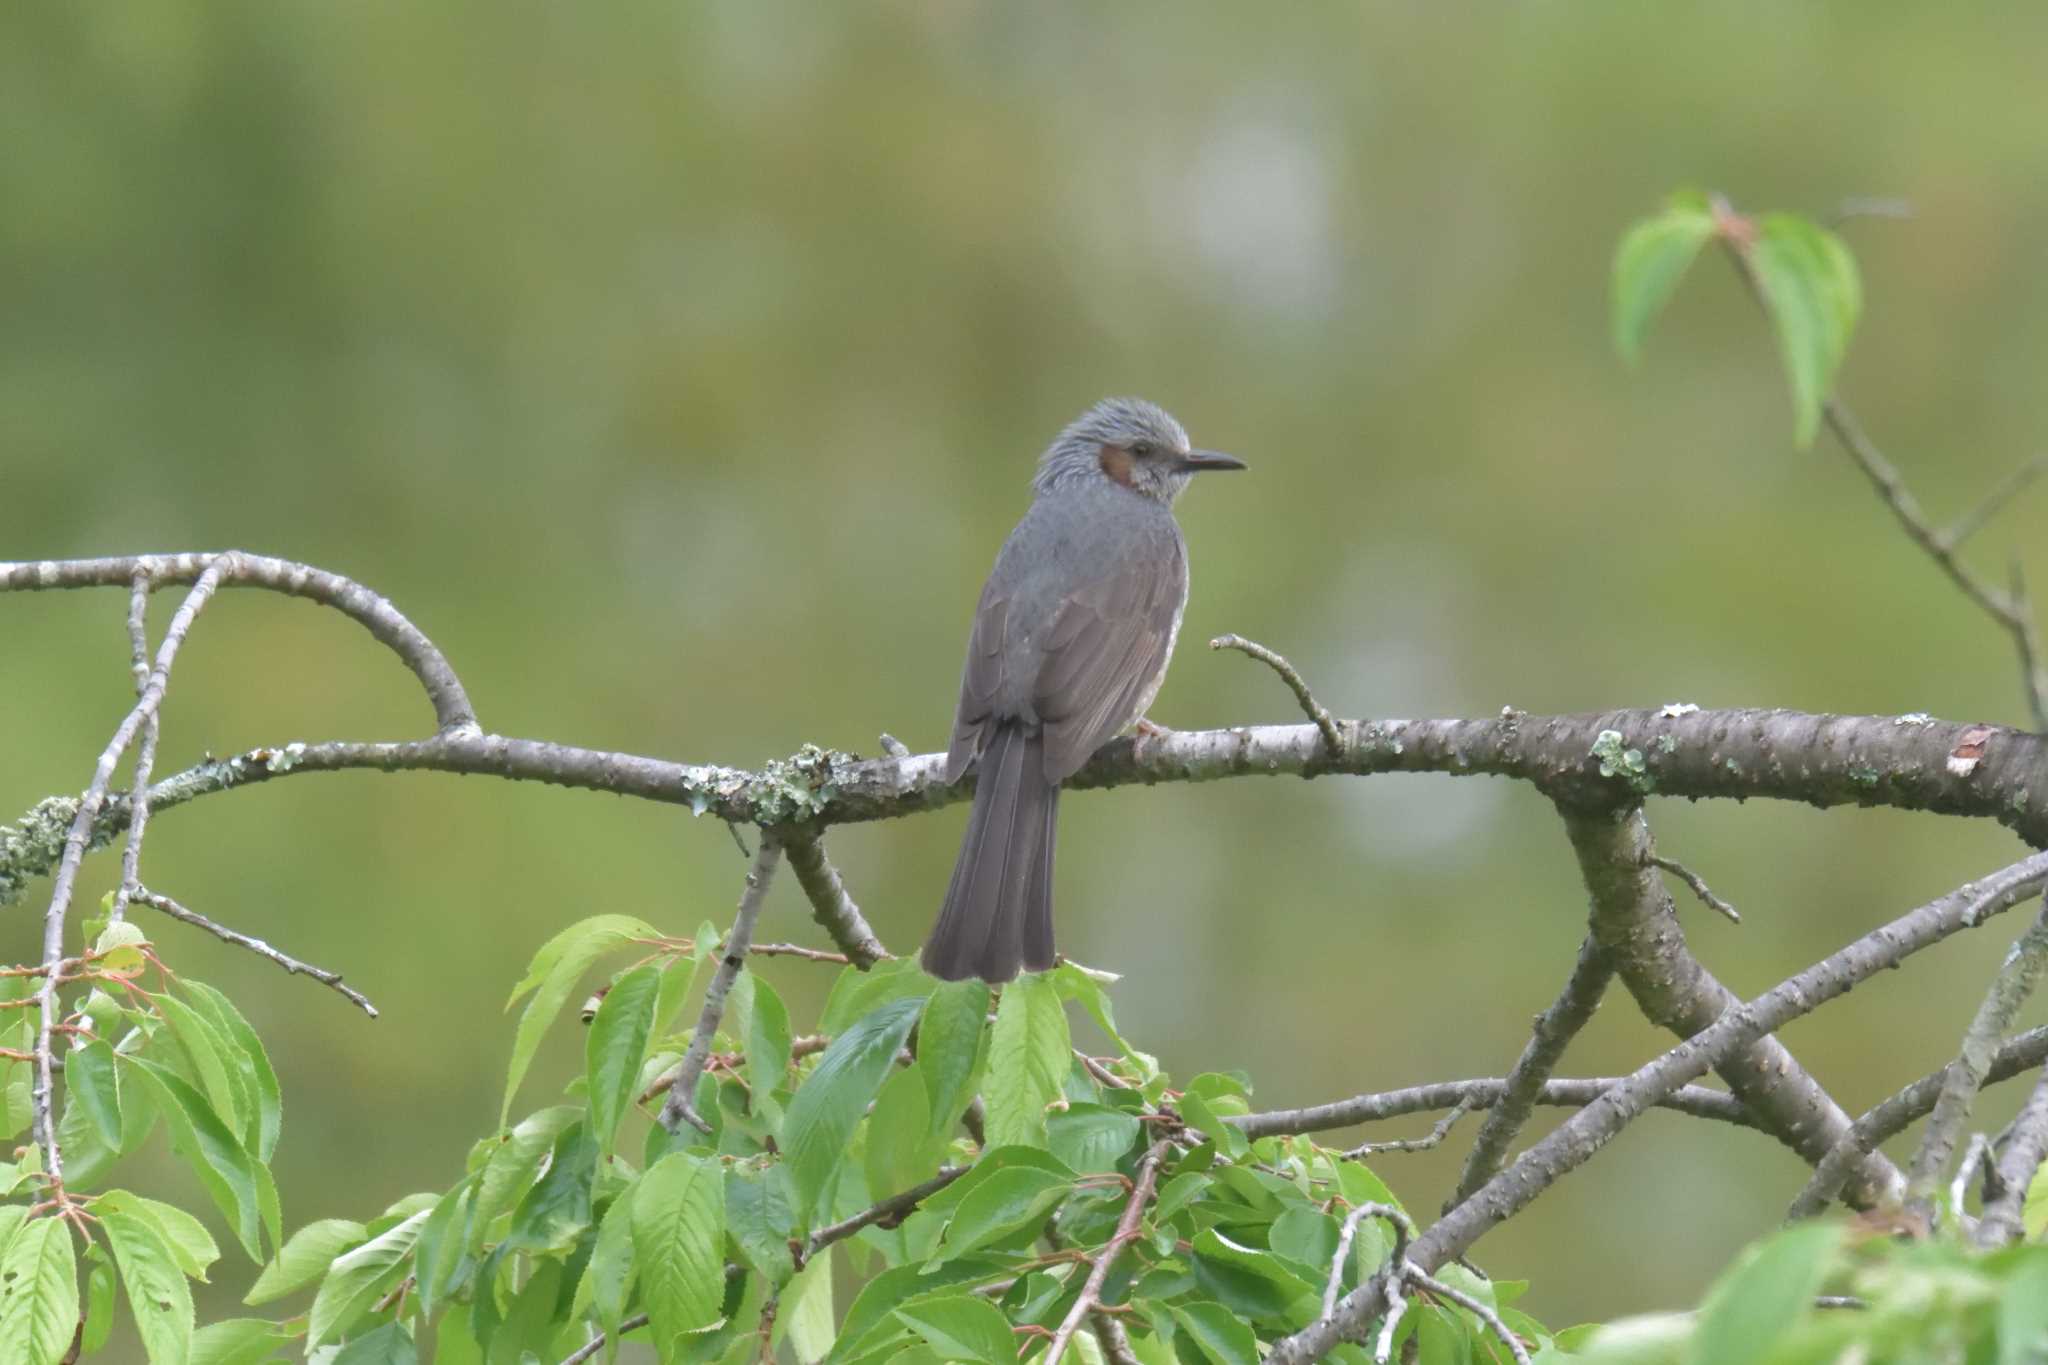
(997, 916)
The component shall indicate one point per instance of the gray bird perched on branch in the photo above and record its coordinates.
(1070, 644)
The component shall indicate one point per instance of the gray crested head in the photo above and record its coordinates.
(1126, 441)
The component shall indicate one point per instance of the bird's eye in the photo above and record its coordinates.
(1141, 449)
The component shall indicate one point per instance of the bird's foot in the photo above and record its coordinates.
(1146, 733)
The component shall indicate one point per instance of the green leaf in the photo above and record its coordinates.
(828, 1105)
(1251, 1282)
(2034, 1213)
(897, 1287)
(608, 1277)
(762, 1218)
(615, 1048)
(1091, 1138)
(2023, 1316)
(557, 1209)
(238, 1341)
(209, 1062)
(856, 993)
(1218, 1333)
(304, 1258)
(1007, 1200)
(948, 1046)
(212, 1150)
(158, 1296)
(1652, 259)
(809, 1311)
(1028, 1058)
(358, 1278)
(184, 1236)
(253, 1061)
(767, 1043)
(962, 1327)
(1770, 1288)
(39, 1293)
(552, 976)
(513, 1162)
(441, 1263)
(89, 1078)
(1202, 1113)
(1813, 294)
(118, 949)
(900, 1149)
(679, 1242)
(386, 1345)
(99, 1305)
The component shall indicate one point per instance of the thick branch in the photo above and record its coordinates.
(1902, 762)
(831, 906)
(1580, 1136)
(2001, 1224)
(1633, 917)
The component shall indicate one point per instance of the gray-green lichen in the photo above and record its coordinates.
(34, 841)
(1617, 760)
(785, 791)
(1666, 744)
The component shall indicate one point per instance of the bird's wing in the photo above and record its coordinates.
(980, 682)
(1108, 644)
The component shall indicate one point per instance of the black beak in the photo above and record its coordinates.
(1195, 461)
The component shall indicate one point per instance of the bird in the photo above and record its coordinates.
(1069, 645)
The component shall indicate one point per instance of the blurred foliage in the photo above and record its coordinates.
(679, 368)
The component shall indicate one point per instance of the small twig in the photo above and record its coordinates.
(596, 1343)
(1404, 1233)
(1550, 1035)
(738, 842)
(1699, 886)
(2009, 991)
(257, 946)
(2008, 488)
(1102, 1074)
(1126, 1231)
(1696, 1101)
(831, 906)
(2001, 1223)
(796, 950)
(1433, 1138)
(681, 1106)
(895, 1207)
(145, 749)
(1115, 1342)
(1333, 739)
(1414, 1275)
(1959, 1188)
(894, 747)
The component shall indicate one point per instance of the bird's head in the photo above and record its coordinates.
(1130, 442)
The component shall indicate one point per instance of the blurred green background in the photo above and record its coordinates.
(679, 368)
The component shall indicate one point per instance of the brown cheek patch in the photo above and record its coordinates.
(1116, 462)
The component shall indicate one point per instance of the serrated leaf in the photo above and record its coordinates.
(1770, 1288)
(209, 1064)
(184, 1236)
(768, 1043)
(1089, 987)
(118, 949)
(254, 1063)
(158, 1296)
(809, 1325)
(1028, 1057)
(238, 1341)
(856, 994)
(38, 1293)
(899, 1141)
(962, 1327)
(358, 1278)
(99, 1307)
(828, 1105)
(948, 1046)
(678, 1226)
(1250, 1282)
(762, 1218)
(305, 1257)
(441, 1263)
(607, 1280)
(896, 1287)
(1812, 292)
(513, 1161)
(89, 1080)
(615, 1048)
(386, 1345)
(1090, 1137)
(212, 1150)
(1218, 1333)
(1008, 1199)
(552, 976)
(1652, 258)
(556, 1210)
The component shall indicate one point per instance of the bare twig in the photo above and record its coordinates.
(2009, 990)
(1966, 1171)
(2008, 488)
(1550, 1035)
(596, 1343)
(1126, 1232)
(1870, 206)
(2001, 1223)
(681, 1106)
(257, 946)
(1699, 886)
(1333, 739)
(75, 842)
(1576, 1140)
(1693, 1100)
(831, 907)
(1404, 1233)
(145, 750)
(1415, 1276)
(886, 1212)
(1433, 1138)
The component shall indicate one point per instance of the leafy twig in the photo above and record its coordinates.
(1126, 1231)
(681, 1106)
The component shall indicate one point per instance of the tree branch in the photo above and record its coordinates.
(1481, 1093)
(682, 1091)
(1126, 1231)
(1333, 740)
(145, 749)
(257, 946)
(2001, 1222)
(895, 1206)
(831, 906)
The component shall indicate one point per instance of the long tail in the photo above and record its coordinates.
(998, 911)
